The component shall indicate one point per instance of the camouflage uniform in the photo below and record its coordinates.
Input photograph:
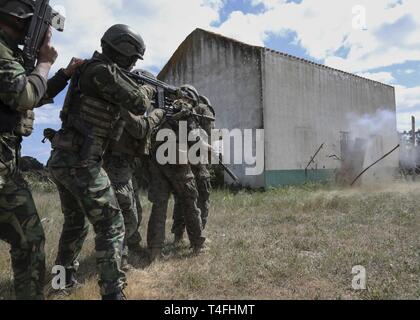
(140, 179)
(20, 224)
(92, 116)
(203, 181)
(178, 179)
(120, 162)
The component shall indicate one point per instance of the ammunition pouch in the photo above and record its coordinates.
(95, 122)
(25, 126)
(101, 117)
(19, 123)
(67, 140)
(9, 152)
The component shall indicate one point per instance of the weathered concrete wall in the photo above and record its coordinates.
(306, 105)
(229, 73)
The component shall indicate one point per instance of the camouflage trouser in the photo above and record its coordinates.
(203, 181)
(21, 227)
(178, 179)
(87, 192)
(136, 237)
(141, 177)
(120, 170)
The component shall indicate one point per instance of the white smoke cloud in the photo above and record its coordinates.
(378, 130)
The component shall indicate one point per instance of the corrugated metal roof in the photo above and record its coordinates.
(175, 56)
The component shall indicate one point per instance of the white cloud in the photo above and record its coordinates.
(407, 98)
(48, 114)
(323, 27)
(162, 23)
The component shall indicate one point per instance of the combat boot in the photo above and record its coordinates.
(178, 239)
(118, 296)
(199, 247)
(155, 254)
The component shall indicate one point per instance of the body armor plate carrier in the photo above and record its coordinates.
(95, 120)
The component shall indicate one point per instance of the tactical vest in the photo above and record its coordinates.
(97, 121)
(130, 146)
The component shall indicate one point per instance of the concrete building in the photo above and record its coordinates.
(301, 105)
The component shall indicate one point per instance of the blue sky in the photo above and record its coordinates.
(386, 48)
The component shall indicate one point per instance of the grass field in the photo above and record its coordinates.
(291, 243)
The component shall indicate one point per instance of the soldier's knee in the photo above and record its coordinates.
(110, 230)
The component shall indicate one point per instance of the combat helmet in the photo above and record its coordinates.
(21, 9)
(125, 41)
(206, 101)
(191, 92)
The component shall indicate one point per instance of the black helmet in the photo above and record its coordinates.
(144, 73)
(205, 100)
(125, 41)
(191, 92)
(21, 9)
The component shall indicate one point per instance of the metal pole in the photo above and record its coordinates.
(413, 132)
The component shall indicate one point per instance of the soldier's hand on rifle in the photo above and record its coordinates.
(47, 53)
(178, 94)
(157, 115)
(74, 64)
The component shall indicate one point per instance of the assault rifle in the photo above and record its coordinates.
(165, 95)
(44, 17)
(227, 170)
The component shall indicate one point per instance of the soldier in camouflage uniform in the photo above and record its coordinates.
(20, 93)
(120, 162)
(202, 177)
(101, 101)
(176, 178)
(140, 179)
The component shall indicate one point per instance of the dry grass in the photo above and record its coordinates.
(291, 243)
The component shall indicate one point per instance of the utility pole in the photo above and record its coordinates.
(413, 132)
